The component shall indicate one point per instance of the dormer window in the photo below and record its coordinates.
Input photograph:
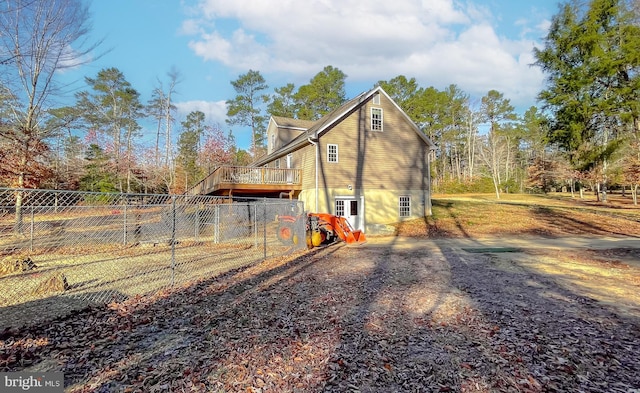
(376, 119)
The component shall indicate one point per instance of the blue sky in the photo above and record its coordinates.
(478, 45)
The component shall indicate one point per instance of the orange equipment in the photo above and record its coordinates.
(285, 228)
(322, 228)
(337, 226)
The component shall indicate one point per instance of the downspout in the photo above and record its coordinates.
(317, 155)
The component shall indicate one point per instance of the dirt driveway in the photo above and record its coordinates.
(394, 315)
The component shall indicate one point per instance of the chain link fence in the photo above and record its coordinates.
(62, 250)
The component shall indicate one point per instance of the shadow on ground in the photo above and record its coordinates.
(336, 319)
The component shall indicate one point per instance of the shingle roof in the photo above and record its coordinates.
(323, 124)
(292, 123)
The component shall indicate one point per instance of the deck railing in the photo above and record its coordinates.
(242, 175)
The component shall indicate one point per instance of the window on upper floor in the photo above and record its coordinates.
(376, 119)
(289, 160)
(273, 141)
(376, 99)
(332, 153)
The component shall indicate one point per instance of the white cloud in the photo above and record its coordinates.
(190, 27)
(214, 111)
(438, 42)
(544, 25)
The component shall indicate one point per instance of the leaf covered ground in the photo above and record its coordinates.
(375, 318)
(345, 319)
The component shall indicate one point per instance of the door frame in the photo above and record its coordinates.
(359, 219)
(288, 164)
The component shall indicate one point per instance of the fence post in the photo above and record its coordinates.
(216, 224)
(255, 224)
(124, 227)
(173, 240)
(197, 221)
(31, 232)
(264, 227)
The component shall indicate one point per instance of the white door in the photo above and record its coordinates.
(351, 209)
(289, 173)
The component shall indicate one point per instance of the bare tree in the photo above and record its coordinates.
(498, 112)
(472, 119)
(162, 109)
(493, 154)
(38, 38)
(169, 110)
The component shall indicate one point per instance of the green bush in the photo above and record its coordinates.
(510, 187)
(476, 185)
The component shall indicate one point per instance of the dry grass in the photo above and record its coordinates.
(114, 273)
(481, 215)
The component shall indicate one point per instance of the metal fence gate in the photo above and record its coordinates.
(64, 250)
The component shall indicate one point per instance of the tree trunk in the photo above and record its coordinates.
(581, 192)
(167, 120)
(573, 187)
(19, 227)
(157, 153)
(507, 174)
(129, 156)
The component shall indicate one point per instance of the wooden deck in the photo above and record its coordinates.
(249, 181)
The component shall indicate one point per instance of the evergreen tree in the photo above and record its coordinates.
(112, 108)
(245, 109)
(592, 60)
(282, 103)
(99, 174)
(189, 145)
(324, 93)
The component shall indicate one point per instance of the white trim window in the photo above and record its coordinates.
(404, 205)
(332, 153)
(376, 119)
(277, 164)
(289, 160)
(376, 99)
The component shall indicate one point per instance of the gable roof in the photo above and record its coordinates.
(325, 123)
(298, 124)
